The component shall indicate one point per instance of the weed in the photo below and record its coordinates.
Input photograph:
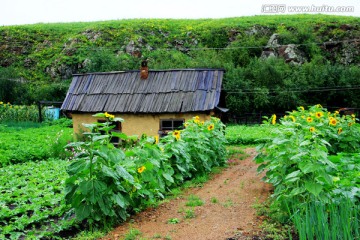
(89, 235)
(228, 203)
(157, 235)
(214, 200)
(173, 221)
(194, 201)
(132, 234)
(190, 213)
(275, 231)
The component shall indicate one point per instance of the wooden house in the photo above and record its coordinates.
(155, 104)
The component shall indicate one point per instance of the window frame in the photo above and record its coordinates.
(163, 131)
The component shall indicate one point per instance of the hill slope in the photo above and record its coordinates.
(46, 55)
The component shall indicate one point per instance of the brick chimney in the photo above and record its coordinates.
(144, 70)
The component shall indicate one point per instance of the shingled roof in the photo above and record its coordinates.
(179, 90)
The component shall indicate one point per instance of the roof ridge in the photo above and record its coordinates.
(151, 70)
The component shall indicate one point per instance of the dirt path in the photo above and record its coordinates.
(227, 210)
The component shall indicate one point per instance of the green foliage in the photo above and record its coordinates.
(41, 58)
(194, 201)
(189, 213)
(32, 203)
(248, 135)
(304, 163)
(173, 221)
(334, 220)
(19, 145)
(133, 234)
(97, 186)
(105, 183)
(19, 113)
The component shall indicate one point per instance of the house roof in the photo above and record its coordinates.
(177, 90)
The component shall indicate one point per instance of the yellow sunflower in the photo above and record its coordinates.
(176, 134)
(312, 129)
(110, 116)
(333, 122)
(292, 118)
(340, 130)
(210, 127)
(309, 119)
(196, 119)
(319, 114)
(141, 169)
(273, 119)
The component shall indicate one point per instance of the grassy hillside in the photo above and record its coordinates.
(46, 55)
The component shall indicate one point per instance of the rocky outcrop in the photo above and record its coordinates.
(349, 52)
(290, 53)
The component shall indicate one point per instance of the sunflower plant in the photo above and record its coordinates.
(305, 163)
(107, 183)
(99, 180)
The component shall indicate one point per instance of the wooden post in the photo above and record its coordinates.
(40, 116)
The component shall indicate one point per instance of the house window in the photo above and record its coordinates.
(167, 125)
(117, 128)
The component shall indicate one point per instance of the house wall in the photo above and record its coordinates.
(135, 124)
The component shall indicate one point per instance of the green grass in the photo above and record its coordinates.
(194, 201)
(173, 221)
(133, 234)
(189, 213)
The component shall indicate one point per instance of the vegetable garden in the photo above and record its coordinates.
(310, 157)
(102, 184)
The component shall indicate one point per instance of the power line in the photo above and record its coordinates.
(295, 90)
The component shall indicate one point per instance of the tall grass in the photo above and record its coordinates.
(334, 220)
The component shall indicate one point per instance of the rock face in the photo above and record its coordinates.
(349, 52)
(290, 52)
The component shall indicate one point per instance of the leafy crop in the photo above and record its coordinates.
(18, 145)
(313, 159)
(31, 200)
(249, 135)
(105, 183)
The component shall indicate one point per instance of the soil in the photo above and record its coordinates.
(227, 212)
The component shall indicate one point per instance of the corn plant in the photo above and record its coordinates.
(19, 113)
